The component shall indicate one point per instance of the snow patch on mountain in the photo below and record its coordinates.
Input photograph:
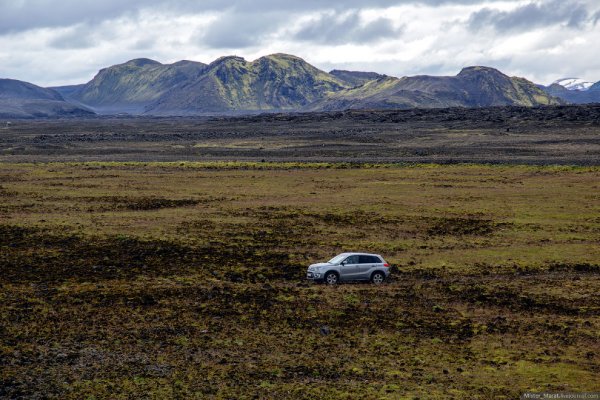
(574, 83)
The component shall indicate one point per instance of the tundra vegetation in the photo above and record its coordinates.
(186, 280)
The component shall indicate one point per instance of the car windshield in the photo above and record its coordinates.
(337, 259)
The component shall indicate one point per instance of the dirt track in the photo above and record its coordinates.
(550, 135)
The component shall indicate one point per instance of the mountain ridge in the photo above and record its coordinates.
(130, 86)
(282, 82)
(355, 78)
(574, 83)
(475, 86)
(588, 96)
(19, 99)
(270, 83)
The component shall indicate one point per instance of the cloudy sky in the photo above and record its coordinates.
(58, 42)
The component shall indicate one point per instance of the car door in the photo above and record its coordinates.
(365, 265)
(349, 268)
(376, 263)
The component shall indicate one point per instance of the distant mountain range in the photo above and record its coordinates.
(24, 100)
(472, 87)
(277, 82)
(574, 90)
(574, 83)
(232, 84)
(130, 87)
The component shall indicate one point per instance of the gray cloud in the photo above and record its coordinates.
(237, 30)
(29, 14)
(531, 15)
(79, 37)
(333, 29)
(23, 15)
(143, 44)
(316, 5)
(86, 35)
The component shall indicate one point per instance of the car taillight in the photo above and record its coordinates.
(386, 265)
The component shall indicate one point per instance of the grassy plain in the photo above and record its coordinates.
(185, 280)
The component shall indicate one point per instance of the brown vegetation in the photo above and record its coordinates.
(183, 280)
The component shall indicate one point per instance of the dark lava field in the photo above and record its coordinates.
(515, 135)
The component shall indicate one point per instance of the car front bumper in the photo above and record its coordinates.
(314, 276)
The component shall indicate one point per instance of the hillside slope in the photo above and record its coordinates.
(274, 82)
(20, 99)
(282, 82)
(591, 95)
(355, 78)
(130, 86)
(472, 87)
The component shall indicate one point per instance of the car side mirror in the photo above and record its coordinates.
(344, 262)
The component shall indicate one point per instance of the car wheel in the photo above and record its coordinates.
(377, 278)
(331, 278)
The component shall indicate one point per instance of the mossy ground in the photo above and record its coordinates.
(170, 280)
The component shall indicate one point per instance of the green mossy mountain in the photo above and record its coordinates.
(472, 87)
(20, 99)
(130, 86)
(274, 82)
(282, 82)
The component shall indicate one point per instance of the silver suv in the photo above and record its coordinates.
(350, 267)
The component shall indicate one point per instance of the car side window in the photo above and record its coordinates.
(352, 260)
(364, 260)
(375, 260)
